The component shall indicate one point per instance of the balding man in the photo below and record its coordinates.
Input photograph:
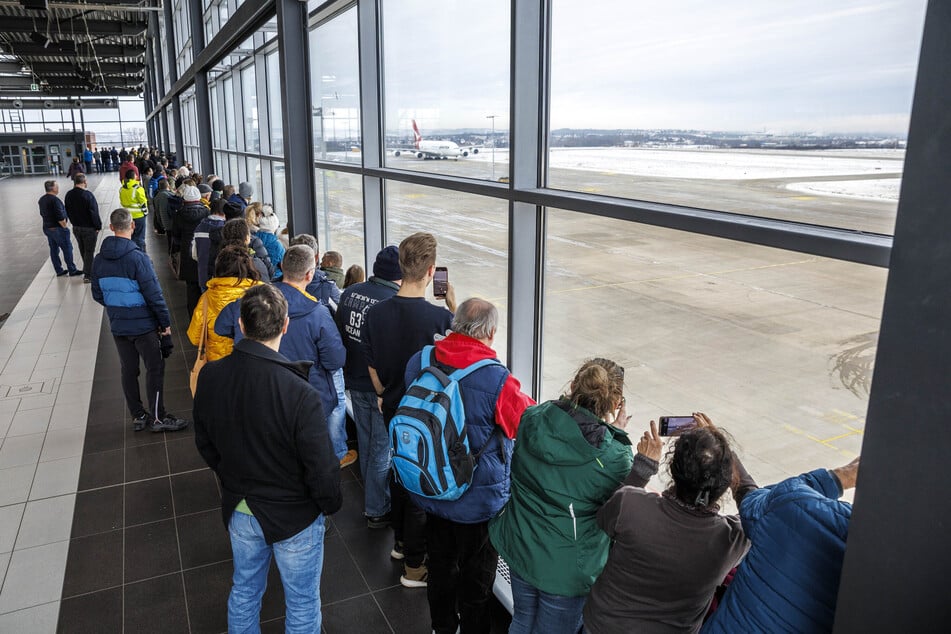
(462, 561)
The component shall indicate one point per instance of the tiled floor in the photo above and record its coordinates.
(107, 530)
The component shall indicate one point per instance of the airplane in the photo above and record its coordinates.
(423, 149)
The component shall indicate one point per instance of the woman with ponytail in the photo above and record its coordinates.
(570, 457)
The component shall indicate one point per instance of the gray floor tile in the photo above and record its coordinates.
(31, 421)
(10, 517)
(63, 443)
(46, 521)
(34, 576)
(56, 477)
(15, 484)
(39, 619)
(21, 450)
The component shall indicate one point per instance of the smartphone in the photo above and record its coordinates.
(441, 282)
(675, 425)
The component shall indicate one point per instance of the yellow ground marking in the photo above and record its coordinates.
(685, 276)
(804, 197)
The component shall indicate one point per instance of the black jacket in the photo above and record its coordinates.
(82, 208)
(183, 231)
(261, 427)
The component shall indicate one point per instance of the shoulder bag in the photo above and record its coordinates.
(201, 360)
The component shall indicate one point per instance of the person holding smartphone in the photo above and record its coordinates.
(670, 551)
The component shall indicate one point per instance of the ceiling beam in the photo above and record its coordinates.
(41, 104)
(41, 68)
(68, 48)
(10, 81)
(95, 27)
(10, 67)
(91, 83)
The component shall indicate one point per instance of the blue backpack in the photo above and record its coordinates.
(431, 455)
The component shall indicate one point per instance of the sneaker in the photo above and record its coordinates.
(62, 273)
(348, 459)
(380, 521)
(75, 273)
(140, 421)
(397, 552)
(169, 423)
(414, 577)
(87, 280)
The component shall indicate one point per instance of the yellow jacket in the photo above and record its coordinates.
(132, 197)
(221, 292)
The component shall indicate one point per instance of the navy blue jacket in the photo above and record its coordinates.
(238, 200)
(789, 580)
(52, 211)
(311, 336)
(325, 290)
(350, 315)
(491, 479)
(124, 281)
(83, 209)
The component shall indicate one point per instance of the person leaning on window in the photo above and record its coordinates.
(568, 461)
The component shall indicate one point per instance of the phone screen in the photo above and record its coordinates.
(675, 425)
(441, 281)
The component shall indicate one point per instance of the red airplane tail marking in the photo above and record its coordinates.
(419, 137)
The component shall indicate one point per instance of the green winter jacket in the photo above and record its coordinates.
(548, 531)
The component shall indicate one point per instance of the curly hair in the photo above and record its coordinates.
(701, 466)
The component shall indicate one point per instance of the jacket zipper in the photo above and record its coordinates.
(574, 520)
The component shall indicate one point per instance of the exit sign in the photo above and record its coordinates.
(35, 87)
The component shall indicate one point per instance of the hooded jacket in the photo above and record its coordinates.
(124, 281)
(132, 197)
(210, 225)
(493, 400)
(311, 336)
(324, 289)
(275, 250)
(125, 167)
(221, 292)
(260, 427)
(184, 223)
(789, 580)
(548, 531)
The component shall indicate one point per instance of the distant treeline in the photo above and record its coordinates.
(660, 138)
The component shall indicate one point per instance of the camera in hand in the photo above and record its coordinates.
(441, 282)
(676, 425)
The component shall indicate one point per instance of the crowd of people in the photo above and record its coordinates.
(556, 489)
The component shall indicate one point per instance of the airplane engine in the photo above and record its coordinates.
(419, 155)
(464, 153)
(475, 150)
(396, 153)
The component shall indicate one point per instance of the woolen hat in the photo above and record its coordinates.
(191, 194)
(204, 189)
(245, 190)
(387, 265)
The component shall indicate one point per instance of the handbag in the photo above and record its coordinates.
(201, 360)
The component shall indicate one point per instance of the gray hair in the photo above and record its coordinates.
(297, 261)
(476, 318)
(309, 240)
(120, 219)
(49, 185)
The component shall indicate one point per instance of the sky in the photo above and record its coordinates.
(811, 66)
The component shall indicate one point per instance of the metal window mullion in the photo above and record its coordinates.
(264, 105)
(370, 37)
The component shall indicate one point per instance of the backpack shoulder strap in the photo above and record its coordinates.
(462, 373)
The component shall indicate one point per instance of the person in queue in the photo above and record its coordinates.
(568, 461)
(670, 552)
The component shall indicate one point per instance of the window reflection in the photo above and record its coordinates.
(340, 214)
(335, 89)
(794, 111)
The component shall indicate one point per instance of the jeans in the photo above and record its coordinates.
(374, 443)
(86, 237)
(299, 559)
(538, 611)
(462, 565)
(148, 346)
(58, 239)
(138, 233)
(337, 419)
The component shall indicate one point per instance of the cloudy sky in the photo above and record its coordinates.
(810, 66)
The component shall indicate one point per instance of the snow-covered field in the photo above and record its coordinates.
(879, 189)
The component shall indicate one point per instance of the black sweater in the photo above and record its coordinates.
(83, 209)
(260, 426)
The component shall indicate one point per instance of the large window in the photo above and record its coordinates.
(472, 232)
(446, 86)
(774, 345)
(340, 215)
(335, 88)
(795, 111)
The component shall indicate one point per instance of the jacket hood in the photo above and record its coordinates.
(557, 437)
(461, 351)
(130, 184)
(114, 247)
(298, 304)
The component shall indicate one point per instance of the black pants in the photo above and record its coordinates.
(409, 525)
(86, 237)
(192, 295)
(147, 347)
(462, 565)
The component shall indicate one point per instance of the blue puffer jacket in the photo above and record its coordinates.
(124, 281)
(491, 479)
(275, 250)
(325, 290)
(789, 580)
(311, 336)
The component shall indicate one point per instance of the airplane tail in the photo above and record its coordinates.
(419, 137)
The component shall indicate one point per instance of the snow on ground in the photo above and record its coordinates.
(878, 189)
(714, 164)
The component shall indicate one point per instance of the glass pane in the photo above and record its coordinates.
(335, 82)
(446, 84)
(274, 104)
(132, 109)
(796, 111)
(253, 176)
(472, 232)
(216, 118)
(228, 97)
(249, 105)
(741, 332)
(342, 228)
(279, 191)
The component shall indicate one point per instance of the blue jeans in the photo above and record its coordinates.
(374, 442)
(538, 611)
(337, 420)
(138, 233)
(58, 238)
(299, 559)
